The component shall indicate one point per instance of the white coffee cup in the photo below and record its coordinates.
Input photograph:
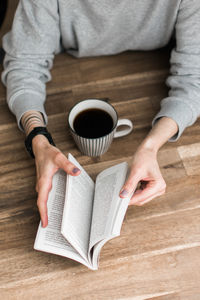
(99, 145)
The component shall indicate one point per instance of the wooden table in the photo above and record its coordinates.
(157, 254)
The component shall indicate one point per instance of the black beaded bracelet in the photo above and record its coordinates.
(32, 134)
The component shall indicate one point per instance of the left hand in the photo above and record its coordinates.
(145, 169)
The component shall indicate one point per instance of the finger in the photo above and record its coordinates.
(149, 193)
(44, 187)
(130, 185)
(149, 199)
(66, 165)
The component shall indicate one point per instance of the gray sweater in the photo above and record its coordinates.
(42, 28)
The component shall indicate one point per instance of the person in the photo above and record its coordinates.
(42, 28)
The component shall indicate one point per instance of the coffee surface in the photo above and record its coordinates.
(93, 123)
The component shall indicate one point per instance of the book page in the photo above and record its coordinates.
(78, 207)
(50, 239)
(106, 201)
(118, 217)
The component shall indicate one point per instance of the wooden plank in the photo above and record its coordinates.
(190, 154)
(182, 295)
(173, 273)
(106, 69)
(69, 72)
(141, 237)
(127, 64)
(62, 102)
(182, 191)
(10, 136)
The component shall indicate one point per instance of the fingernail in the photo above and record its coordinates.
(124, 193)
(75, 170)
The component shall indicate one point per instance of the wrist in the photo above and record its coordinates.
(150, 144)
(39, 145)
(161, 132)
(39, 141)
(33, 144)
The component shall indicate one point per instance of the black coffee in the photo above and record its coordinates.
(93, 123)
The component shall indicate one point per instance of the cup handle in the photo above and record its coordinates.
(126, 122)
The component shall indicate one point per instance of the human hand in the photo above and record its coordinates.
(145, 169)
(48, 160)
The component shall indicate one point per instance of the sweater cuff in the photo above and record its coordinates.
(177, 111)
(25, 102)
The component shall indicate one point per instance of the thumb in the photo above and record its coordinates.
(130, 186)
(67, 166)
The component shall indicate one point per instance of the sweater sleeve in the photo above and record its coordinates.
(183, 101)
(30, 47)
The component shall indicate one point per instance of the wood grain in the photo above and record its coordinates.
(190, 155)
(157, 254)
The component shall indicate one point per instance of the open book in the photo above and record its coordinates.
(83, 215)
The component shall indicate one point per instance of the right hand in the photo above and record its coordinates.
(48, 160)
(144, 170)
